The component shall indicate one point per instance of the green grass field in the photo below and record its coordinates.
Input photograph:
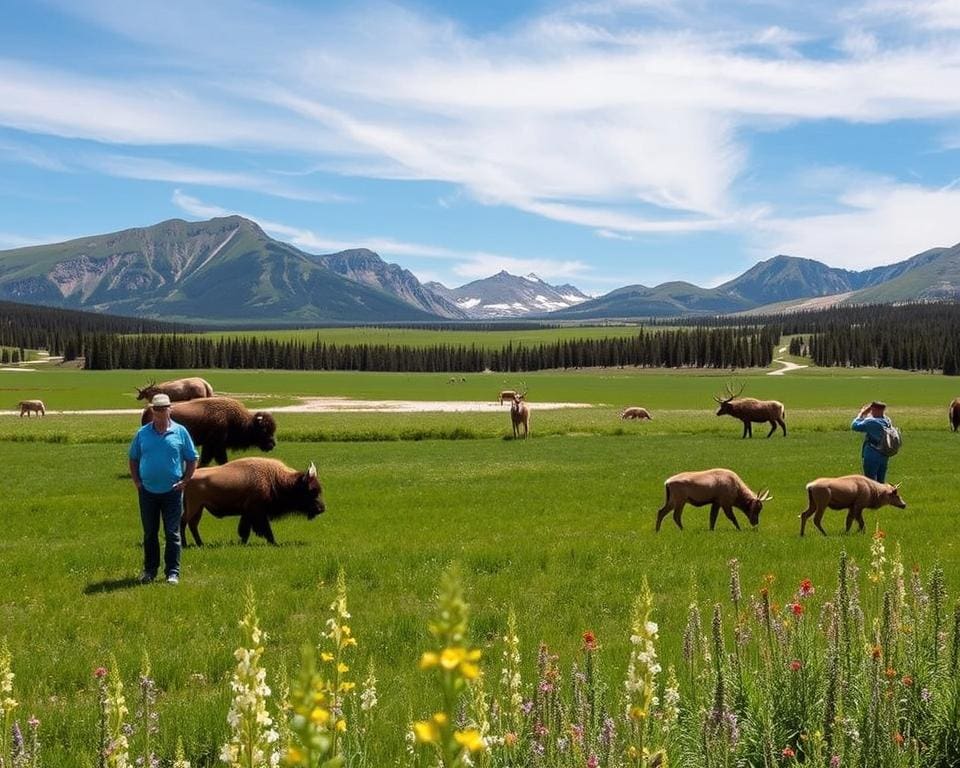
(559, 527)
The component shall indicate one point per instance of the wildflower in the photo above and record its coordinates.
(735, 591)
(795, 665)
(907, 681)
(100, 672)
(878, 558)
(835, 761)
(590, 641)
(925, 695)
(806, 588)
(368, 695)
(115, 747)
(510, 680)
(671, 700)
(876, 652)
(593, 761)
(796, 609)
(890, 673)
(788, 753)
(643, 666)
(180, 760)
(470, 739)
(7, 702)
(898, 739)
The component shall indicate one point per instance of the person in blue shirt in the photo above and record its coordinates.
(873, 425)
(162, 458)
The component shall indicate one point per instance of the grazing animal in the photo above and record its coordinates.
(720, 488)
(520, 415)
(177, 390)
(507, 396)
(955, 414)
(635, 413)
(32, 406)
(749, 410)
(853, 493)
(219, 423)
(257, 490)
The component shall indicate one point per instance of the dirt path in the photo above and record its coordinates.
(787, 367)
(349, 405)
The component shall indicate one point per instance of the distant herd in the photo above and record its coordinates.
(258, 490)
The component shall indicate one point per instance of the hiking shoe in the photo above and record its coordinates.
(146, 578)
(173, 579)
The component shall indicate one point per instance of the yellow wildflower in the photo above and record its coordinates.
(341, 725)
(346, 687)
(319, 715)
(325, 656)
(425, 731)
(450, 658)
(294, 755)
(471, 739)
(341, 668)
(429, 660)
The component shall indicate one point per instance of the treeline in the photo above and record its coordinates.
(66, 331)
(694, 347)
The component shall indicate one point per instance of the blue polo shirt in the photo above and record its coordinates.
(161, 457)
(874, 428)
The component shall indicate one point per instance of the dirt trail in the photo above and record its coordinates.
(349, 405)
(787, 367)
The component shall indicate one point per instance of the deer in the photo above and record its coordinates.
(520, 415)
(853, 493)
(720, 488)
(749, 410)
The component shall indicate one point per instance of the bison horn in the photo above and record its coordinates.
(764, 495)
(897, 486)
(312, 470)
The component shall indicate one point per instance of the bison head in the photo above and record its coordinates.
(263, 430)
(754, 506)
(892, 496)
(309, 493)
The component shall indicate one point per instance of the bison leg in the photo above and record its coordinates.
(783, 426)
(221, 455)
(261, 527)
(731, 517)
(206, 456)
(817, 518)
(714, 511)
(662, 513)
(194, 529)
(243, 529)
(773, 428)
(804, 516)
(677, 512)
(851, 516)
(859, 515)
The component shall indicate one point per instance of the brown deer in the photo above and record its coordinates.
(720, 488)
(520, 415)
(32, 406)
(955, 414)
(853, 493)
(749, 410)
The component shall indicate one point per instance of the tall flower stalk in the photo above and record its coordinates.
(7, 706)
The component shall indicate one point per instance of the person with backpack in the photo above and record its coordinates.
(881, 439)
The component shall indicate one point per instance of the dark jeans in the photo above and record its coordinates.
(155, 507)
(875, 466)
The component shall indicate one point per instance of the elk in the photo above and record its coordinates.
(720, 488)
(749, 410)
(853, 493)
(635, 412)
(178, 390)
(520, 415)
(954, 414)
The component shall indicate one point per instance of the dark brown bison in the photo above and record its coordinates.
(749, 410)
(853, 493)
(219, 423)
(177, 390)
(955, 414)
(257, 490)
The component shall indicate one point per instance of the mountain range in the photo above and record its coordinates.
(229, 271)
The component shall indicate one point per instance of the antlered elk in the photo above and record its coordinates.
(520, 415)
(853, 493)
(720, 488)
(749, 410)
(178, 390)
(955, 414)
(31, 406)
(635, 413)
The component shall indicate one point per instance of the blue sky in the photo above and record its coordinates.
(600, 142)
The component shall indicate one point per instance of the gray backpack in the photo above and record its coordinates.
(891, 441)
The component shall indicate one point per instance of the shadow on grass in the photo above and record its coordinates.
(110, 585)
(237, 544)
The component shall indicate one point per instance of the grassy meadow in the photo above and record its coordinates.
(560, 527)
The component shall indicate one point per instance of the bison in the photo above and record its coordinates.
(506, 396)
(219, 423)
(954, 414)
(32, 406)
(177, 390)
(749, 410)
(853, 493)
(258, 490)
(520, 415)
(720, 488)
(635, 413)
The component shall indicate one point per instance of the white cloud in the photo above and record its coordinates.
(882, 224)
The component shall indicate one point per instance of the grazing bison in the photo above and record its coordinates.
(635, 413)
(219, 423)
(720, 488)
(32, 406)
(749, 410)
(955, 414)
(853, 493)
(520, 415)
(506, 396)
(257, 490)
(177, 390)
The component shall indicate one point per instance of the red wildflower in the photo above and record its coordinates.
(898, 737)
(796, 609)
(879, 534)
(589, 641)
(806, 588)
(795, 665)
(876, 652)
(890, 673)
(100, 672)
(907, 680)
(787, 752)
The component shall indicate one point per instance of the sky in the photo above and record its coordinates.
(597, 142)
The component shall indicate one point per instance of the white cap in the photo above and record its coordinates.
(160, 401)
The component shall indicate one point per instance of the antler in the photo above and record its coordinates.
(897, 486)
(730, 394)
(764, 495)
